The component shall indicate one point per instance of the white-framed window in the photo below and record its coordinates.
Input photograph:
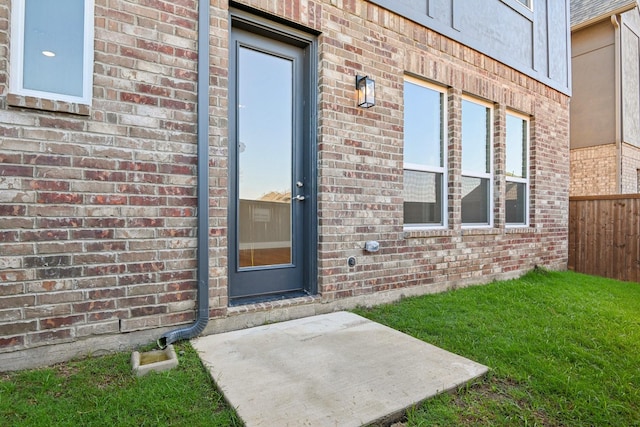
(517, 170)
(425, 172)
(528, 3)
(477, 163)
(52, 49)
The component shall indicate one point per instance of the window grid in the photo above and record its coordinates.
(477, 168)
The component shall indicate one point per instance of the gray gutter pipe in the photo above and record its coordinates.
(203, 186)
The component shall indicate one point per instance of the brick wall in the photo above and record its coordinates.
(351, 153)
(630, 169)
(604, 160)
(97, 210)
(584, 161)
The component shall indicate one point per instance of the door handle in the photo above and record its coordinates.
(299, 198)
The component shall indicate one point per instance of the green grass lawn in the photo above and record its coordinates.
(563, 348)
(102, 391)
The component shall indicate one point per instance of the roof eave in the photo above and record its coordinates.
(605, 16)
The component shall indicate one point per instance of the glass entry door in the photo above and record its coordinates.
(269, 193)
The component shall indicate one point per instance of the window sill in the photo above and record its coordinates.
(520, 229)
(423, 232)
(479, 231)
(441, 232)
(34, 103)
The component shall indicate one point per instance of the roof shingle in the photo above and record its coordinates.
(584, 10)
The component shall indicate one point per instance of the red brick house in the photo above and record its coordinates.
(168, 169)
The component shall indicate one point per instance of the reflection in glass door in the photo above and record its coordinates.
(264, 128)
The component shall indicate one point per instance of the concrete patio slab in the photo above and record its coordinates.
(337, 369)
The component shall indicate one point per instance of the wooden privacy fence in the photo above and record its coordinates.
(604, 236)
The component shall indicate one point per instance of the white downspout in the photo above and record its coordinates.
(618, 82)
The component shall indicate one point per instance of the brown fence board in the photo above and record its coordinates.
(604, 236)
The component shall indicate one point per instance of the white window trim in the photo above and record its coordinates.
(473, 174)
(525, 10)
(443, 169)
(525, 180)
(528, 4)
(17, 57)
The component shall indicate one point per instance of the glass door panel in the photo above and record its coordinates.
(265, 123)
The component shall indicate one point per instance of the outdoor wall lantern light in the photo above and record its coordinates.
(366, 88)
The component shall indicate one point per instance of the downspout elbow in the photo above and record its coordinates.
(186, 333)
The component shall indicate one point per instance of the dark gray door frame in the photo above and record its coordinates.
(279, 32)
